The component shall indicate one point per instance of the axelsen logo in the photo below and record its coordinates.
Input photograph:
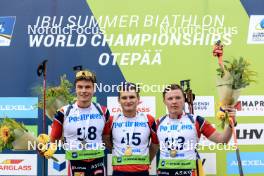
(14, 165)
(6, 29)
(252, 163)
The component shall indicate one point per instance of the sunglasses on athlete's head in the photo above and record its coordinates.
(85, 74)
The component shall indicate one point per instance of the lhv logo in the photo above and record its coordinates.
(6, 29)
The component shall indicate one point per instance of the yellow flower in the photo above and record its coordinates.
(51, 150)
(221, 115)
(4, 134)
(43, 138)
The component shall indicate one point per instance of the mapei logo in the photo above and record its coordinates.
(250, 106)
(59, 166)
(256, 29)
(6, 29)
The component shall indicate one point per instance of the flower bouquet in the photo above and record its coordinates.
(56, 96)
(235, 76)
(15, 136)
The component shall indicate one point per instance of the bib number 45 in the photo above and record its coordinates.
(135, 139)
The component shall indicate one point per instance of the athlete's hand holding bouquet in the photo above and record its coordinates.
(235, 76)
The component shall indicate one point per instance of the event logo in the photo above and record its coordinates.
(146, 105)
(19, 107)
(256, 29)
(252, 163)
(15, 165)
(250, 134)
(250, 106)
(6, 29)
(204, 106)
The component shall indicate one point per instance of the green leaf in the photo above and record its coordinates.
(240, 72)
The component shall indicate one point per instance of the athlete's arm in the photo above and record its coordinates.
(224, 137)
(107, 133)
(153, 149)
(57, 127)
(154, 145)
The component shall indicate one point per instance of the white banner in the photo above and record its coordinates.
(18, 164)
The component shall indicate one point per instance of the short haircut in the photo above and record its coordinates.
(172, 87)
(85, 75)
(128, 86)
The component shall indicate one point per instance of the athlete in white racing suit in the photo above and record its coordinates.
(178, 133)
(81, 124)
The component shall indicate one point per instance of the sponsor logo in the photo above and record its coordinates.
(152, 170)
(11, 161)
(249, 134)
(6, 29)
(74, 155)
(84, 117)
(250, 106)
(119, 159)
(57, 168)
(146, 105)
(203, 106)
(15, 165)
(19, 107)
(252, 163)
(162, 163)
(256, 29)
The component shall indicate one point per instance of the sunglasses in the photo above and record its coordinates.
(85, 74)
